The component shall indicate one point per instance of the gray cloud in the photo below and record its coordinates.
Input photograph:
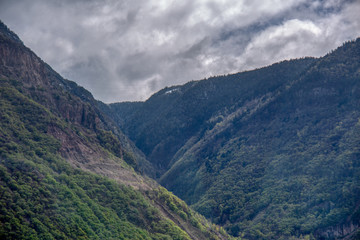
(127, 50)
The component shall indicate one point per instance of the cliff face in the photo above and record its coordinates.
(66, 100)
(43, 84)
(347, 231)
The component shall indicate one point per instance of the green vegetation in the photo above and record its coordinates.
(162, 125)
(43, 197)
(167, 200)
(56, 149)
(112, 144)
(71, 204)
(268, 154)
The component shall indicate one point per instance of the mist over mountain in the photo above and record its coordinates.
(271, 153)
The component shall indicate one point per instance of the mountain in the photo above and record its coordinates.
(164, 123)
(67, 171)
(272, 153)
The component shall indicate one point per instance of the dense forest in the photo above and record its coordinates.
(271, 153)
(67, 171)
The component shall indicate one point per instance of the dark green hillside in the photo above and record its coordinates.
(164, 123)
(43, 197)
(67, 172)
(270, 154)
(62, 97)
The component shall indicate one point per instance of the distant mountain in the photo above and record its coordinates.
(67, 171)
(164, 123)
(272, 153)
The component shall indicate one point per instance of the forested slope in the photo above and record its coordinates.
(270, 153)
(164, 123)
(67, 171)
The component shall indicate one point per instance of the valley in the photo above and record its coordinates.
(271, 153)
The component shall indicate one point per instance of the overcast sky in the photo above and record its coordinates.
(124, 50)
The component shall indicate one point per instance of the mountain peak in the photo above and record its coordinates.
(6, 32)
(50, 127)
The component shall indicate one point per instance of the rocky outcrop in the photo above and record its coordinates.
(64, 98)
(341, 231)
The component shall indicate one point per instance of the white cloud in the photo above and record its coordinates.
(292, 38)
(299, 38)
(126, 50)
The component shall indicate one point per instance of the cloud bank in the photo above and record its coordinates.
(126, 50)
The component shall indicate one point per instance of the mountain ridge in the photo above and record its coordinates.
(67, 171)
(243, 130)
(164, 98)
(271, 153)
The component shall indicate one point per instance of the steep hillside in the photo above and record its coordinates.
(67, 171)
(270, 154)
(164, 123)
